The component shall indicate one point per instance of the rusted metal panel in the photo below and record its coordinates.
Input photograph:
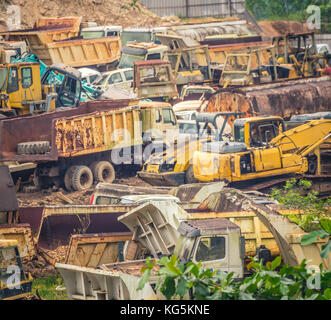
(284, 98)
(58, 224)
(96, 132)
(92, 250)
(218, 52)
(8, 200)
(288, 236)
(22, 233)
(34, 128)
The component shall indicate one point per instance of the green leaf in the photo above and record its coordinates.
(182, 287)
(327, 293)
(326, 249)
(246, 296)
(326, 224)
(163, 261)
(168, 289)
(276, 263)
(312, 237)
(143, 280)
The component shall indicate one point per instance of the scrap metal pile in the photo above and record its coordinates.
(199, 119)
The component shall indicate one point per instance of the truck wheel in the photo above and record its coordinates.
(34, 147)
(103, 171)
(189, 176)
(82, 178)
(68, 178)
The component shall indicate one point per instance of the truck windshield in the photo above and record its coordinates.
(128, 36)
(236, 63)
(92, 34)
(210, 249)
(127, 60)
(3, 78)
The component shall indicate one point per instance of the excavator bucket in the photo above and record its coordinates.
(93, 250)
(58, 224)
(284, 98)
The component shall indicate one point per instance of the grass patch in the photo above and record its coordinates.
(47, 288)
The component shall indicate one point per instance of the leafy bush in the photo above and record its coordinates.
(311, 209)
(270, 282)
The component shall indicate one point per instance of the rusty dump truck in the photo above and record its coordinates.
(79, 145)
(203, 233)
(57, 40)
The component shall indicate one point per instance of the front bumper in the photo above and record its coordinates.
(173, 179)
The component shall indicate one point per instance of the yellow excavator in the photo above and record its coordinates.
(262, 149)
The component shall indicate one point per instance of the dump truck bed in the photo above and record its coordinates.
(76, 131)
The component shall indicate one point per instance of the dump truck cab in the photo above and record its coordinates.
(24, 91)
(101, 32)
(217, 243)
(154, 80)
(14, 282)
(159, 123)
(137, 51)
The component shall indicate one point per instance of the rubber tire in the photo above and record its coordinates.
(34, 147)
(78, 172)
(99, 169)
(68, 178)
(189, 176)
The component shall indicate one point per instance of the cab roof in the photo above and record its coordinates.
(154, 104)
(196, 228)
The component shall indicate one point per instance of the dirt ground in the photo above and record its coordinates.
(52, 197)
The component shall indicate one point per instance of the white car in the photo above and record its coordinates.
(120, 78)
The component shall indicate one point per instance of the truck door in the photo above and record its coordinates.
(13, 88)
(170, 127)
(116, 80)
(69, 94)
(30, 83)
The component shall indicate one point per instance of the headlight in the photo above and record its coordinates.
(166, 167)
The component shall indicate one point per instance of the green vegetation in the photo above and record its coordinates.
(270, 282)
(314, 214)
(46, 287)
(311, 209)
(294, 10)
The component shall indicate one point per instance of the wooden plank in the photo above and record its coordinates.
(96, 255)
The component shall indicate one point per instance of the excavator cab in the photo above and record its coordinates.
(257, 131)
(65, 82)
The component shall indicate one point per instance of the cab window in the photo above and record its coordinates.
(26, 77)
(168, 116)
(154, 56)
(12, 80)
(107, 200)
(115, 78)
(210, 249)
(128, 75)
